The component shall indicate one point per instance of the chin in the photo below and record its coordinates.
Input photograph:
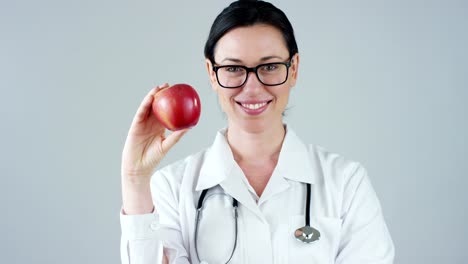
(255, 125)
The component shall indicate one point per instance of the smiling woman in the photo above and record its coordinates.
(276, 199)
(266, 92)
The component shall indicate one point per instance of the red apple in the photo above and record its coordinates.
(177, 107)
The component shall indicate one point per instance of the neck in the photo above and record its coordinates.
(248, 146)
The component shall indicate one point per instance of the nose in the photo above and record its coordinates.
(252, 83)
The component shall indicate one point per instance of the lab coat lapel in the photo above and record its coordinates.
(294, 163)
(219, 167)
(276, 184)
(234, 186)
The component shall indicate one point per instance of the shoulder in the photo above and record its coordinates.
(348, 177)
(327, 167)
(181, 170)
(333, 162)
(336, 170)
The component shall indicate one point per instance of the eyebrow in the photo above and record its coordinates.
(235, 60)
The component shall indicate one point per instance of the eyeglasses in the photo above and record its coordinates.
(270, 74)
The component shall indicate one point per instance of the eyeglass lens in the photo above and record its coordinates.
(269, 74)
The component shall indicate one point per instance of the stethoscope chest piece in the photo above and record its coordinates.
(307, 234)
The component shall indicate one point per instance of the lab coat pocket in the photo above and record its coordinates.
(321, 251)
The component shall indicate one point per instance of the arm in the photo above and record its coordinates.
(145, 146)
(148, 238)
(140, 241)
(365, 238)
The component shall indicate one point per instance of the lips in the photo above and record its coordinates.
(254, 107)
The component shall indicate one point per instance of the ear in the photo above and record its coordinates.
(211, 74)
(294, 69)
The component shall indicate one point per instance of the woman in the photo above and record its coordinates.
(258, 184)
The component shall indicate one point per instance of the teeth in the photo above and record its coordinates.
(254, 106)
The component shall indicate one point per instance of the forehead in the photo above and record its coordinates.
(250, 44)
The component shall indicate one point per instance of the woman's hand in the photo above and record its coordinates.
(145, 146)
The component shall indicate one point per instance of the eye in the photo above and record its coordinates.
(232, 69)
(270, 67)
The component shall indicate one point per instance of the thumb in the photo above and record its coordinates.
(172, 139)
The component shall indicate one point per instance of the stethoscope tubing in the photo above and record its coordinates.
(307, 215)
(235, 207)
(201, 200)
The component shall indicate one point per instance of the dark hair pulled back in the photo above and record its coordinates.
(247, 13)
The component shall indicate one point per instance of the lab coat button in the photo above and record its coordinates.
(154, 226)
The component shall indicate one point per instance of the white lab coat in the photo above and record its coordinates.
(345, 209)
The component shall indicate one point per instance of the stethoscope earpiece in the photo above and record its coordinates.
(307, 234)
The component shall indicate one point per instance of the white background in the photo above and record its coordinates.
(381, 82)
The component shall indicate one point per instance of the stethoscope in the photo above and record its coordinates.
(306, 234)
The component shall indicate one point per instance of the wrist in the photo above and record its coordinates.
(136, 178)
(134, 175)
(136, 197)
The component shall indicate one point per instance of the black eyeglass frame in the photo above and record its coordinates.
(252, 69)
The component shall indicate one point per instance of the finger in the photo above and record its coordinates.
(164, 85)
(172, 139)
(145, 106)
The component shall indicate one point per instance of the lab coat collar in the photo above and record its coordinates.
(218, 164)
(219, 167)
(294, 162)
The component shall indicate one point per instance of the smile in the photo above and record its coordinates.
(254, 108)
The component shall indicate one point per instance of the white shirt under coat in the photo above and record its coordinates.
(345, 209)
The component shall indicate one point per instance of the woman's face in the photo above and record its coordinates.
(254, 106)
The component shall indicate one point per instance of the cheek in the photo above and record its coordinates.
(283, 93)
(225, 96)
(283, 98)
